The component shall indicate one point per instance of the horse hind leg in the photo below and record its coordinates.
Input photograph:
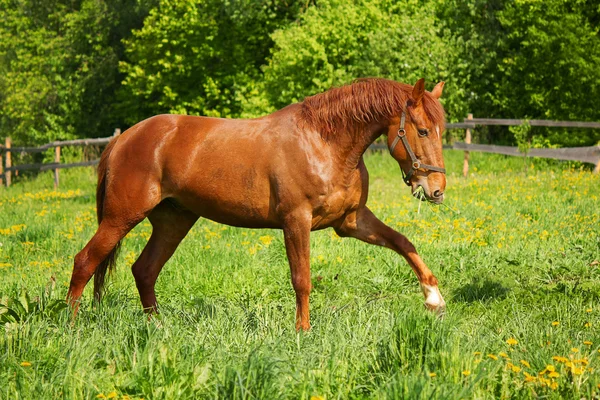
(124, 205)
(170, 225)
(102, 244)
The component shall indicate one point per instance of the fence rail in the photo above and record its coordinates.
(6, 151)
(583, 154)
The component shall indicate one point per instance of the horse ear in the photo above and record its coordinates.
(418, 91)
(437, 90)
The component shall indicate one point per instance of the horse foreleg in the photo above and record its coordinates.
(169, 227)
(296, 232)
(365, 226)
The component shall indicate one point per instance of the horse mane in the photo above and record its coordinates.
(361, 102)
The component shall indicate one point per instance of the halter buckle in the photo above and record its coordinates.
(401, 132)
(416, 164)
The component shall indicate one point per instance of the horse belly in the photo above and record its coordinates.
(234, 199)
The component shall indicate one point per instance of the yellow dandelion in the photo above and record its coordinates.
(512, 341)
(466, 372)
(554, 385)
(525, 363)
(317, 398)
(101, 396)
(529, 378)
(553, 374)
(555, 323)
(588, 310)
(574, 350)
(266, 240)
(577, 371)
(503, 354)
(515, 369)
(477, 353)
(492, 356)
(111, 395)
(550, 368)
(588, 325)
(587, 343)
(339, 259)
(25, 364)
(432, 374)
(560, 359)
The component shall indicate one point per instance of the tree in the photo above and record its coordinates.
(200, 57)
(338, 41)
(59, 66)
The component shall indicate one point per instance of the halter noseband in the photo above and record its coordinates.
(415, 163)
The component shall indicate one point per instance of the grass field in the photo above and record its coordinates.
(516, 256)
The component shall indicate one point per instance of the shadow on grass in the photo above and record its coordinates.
(481, 290)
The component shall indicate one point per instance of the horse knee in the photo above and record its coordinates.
(302, 284)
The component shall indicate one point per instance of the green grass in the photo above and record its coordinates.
(513, 254)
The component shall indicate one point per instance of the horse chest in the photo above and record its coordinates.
(334, 205)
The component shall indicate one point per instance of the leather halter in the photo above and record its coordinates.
(415, 163)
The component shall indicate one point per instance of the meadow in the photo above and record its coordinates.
(516, 252)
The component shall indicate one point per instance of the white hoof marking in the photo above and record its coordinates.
(433, 298)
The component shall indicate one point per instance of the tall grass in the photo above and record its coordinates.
(515, 253)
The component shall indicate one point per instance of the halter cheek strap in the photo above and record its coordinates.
(415, 163)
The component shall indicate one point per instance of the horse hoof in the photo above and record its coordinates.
(439, 309)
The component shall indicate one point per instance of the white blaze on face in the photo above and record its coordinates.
(437, 130)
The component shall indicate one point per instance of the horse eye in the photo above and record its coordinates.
(423, 132)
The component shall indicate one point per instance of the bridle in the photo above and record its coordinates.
(415, 163)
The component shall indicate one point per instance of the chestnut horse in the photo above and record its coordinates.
(298, 169)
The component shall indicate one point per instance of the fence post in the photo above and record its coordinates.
(56, 170)
(1, 167)
(468, 141)
(7, 162)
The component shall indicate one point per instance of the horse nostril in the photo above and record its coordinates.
(437, 194)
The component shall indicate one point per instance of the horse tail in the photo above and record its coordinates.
(110, 260)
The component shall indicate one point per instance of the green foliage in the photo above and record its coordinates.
(71, 68)
(522, 136)
(338, 41)
(58, 66)
(529, 58)
(200, 57)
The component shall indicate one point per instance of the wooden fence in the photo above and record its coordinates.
(7, 150)
(583, 154)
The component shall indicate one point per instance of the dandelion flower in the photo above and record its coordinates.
(111, 395)
(477, 353)
(25, 364)
(587, 342)
(503, 354)
(525, 363)
(574, 350)
(101, 396)
(588, 310)
(512, 341)
(432, 374)
(588, 325)
(553, 374)
(466, 372)
(492, 356)
(555, 323)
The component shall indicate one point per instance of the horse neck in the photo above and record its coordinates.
(351, 145)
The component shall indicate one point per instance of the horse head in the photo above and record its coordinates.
(415, 142)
